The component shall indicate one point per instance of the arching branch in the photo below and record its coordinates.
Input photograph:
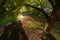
(52, 3)
(39, 9)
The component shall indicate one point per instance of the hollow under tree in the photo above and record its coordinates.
(55, 14)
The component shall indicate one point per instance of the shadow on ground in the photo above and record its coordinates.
(14, 31)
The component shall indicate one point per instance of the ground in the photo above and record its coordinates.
(35, 33)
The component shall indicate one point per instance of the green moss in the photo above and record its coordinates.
(5, 20)
(56, 33)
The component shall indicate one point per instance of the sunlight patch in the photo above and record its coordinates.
(20, 17)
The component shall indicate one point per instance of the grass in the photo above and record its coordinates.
(5, 20)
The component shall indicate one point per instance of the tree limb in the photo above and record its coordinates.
(39, 9)
(52, 3)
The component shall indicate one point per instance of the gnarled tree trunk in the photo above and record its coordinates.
(55, 14)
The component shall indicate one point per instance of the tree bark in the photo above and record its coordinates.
(55, 15)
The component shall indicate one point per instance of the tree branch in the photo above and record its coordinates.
(52, 3)
(39, 9)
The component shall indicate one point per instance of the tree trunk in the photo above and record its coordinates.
(50, 22)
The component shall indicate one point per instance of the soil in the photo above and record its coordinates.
(32, 34)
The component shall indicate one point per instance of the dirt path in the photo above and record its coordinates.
(33, 34)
